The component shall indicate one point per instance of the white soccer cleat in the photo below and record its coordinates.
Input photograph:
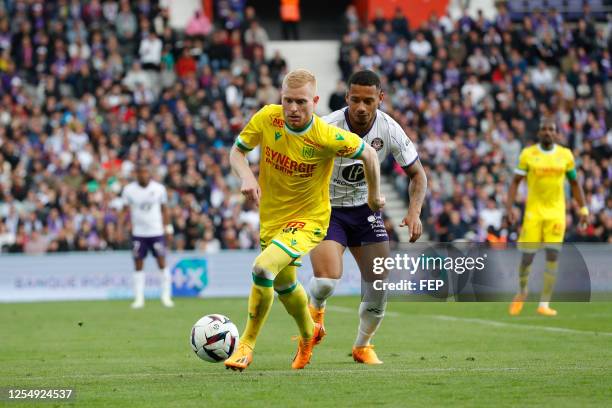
(137, 304)
(167, 302)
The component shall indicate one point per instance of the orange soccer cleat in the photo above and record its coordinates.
(241, 358)
(365, 355)
(304, 351)
(546, 311)
(318, 315)
(517, 305)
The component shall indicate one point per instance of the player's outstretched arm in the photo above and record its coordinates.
(250, 187)
(371, 166)
(512, 218)
(416, 193)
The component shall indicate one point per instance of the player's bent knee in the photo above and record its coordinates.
(322, 288)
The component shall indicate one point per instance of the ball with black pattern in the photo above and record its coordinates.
(214, 338)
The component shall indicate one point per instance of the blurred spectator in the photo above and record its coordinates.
(150, 51)
(337, 98)
(198, 25)
(255, 35)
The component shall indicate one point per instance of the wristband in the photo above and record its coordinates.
(584, 210)
(169, 229)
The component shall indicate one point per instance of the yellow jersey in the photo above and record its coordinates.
(295, 166)
(545, 172)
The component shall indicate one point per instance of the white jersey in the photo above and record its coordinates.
(145, 208)
(348, 187)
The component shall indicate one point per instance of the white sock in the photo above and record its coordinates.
(166, 289)
(370, 316)
(139, 286)
(544, 304)
(320, 289)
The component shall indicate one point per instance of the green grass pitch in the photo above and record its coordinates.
(435, 354)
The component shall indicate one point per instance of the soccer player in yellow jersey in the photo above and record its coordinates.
(297, 157)
(545, 165)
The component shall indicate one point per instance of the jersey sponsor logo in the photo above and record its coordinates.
(347, 151)
(353, 173)
(377, 144)
(288, 166)
(548, 171)
(277, 121)
(308, 152)
(145, 206)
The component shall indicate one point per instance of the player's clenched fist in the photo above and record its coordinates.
(251, 190)
(376, 203)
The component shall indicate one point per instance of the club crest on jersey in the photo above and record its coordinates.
(377, 144)
(277, 121)
(277, 135)
(308, 152)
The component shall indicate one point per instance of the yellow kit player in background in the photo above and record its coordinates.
(297, 157)
(545, 165)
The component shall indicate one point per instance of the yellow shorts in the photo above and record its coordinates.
(296, 238)
(537, 231)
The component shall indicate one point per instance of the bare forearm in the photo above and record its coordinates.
(578, 194)
(512, 194)
(416, 193)
(240, 164)
(417, 188)
(372, 171)
(165, 215)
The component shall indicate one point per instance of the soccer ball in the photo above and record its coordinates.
(214, 338)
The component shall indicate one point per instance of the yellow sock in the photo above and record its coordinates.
(550, 277)
(296, 304)
(293, 296)
(524, 276)
(265, 269)
(260, 303)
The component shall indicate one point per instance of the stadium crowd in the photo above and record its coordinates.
(88, 88)
(91, 87)
(471, 93)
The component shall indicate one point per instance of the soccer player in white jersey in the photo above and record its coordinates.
(147, 201)
(352, 223)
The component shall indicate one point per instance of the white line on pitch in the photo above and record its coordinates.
(496, 323)
(311, 371)
(518, 325)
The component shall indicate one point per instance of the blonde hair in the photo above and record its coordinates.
(298, 78)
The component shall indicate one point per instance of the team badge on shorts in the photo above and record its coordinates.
(377, 144)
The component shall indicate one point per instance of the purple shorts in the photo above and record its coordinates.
(356, 226)
(142, 245)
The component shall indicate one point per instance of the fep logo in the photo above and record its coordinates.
(189, 277)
